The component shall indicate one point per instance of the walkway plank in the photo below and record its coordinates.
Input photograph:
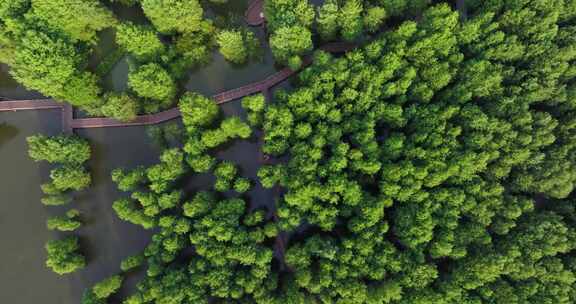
(22, 105)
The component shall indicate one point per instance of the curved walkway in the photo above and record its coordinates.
(69, 122)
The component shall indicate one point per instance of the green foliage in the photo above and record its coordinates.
(88, 297)
(285, 13)
(230, 128)
(254, 106)
(237, 46)
(152, 81)
(201, 163)
(225, 173)
(58, 149)
(402, 7)
(374, 18)
(80, 19)
(289, 22)
(127, 210)
(50, 64)
(197, 111)
(140, 41)
(70, 222)
(120, 106)
(63, 256)
(270, 175)
(289, 42)
(56, 200)
(70, 177)
(420, 168)
(167, 171)
(350, 19)
(132, 262)
(328, 20)
(195, 49)
(129, 181)
(170, 16)
(241, 185)
(107, 287)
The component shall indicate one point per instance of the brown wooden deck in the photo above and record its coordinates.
(38, 104)
(255, 13)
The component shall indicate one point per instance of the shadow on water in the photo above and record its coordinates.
(10, 89)
(7, 133)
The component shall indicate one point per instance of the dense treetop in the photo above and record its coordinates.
(435, 164)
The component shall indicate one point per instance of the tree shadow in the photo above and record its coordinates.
(7, 133)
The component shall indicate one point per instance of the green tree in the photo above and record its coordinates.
(197, 111)
(350, 19)
(139, 40)
(170, 16)
(80, 19)
(152, 81)
(107, 287)
(70, 177)
(241, 185)
(374, 18)
(63, 256)
(237, 46)
(120, 106)
(88, 297)
(132, 262)
(254, 106)
(56, 200)
(58, 149)
(129, 180)
(70, 222)
(328, 20)
(290, 42)
(50, 64)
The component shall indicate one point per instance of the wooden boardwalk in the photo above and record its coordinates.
(35, 104)
(255, 13)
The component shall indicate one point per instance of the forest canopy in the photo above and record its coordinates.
(433, 163)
